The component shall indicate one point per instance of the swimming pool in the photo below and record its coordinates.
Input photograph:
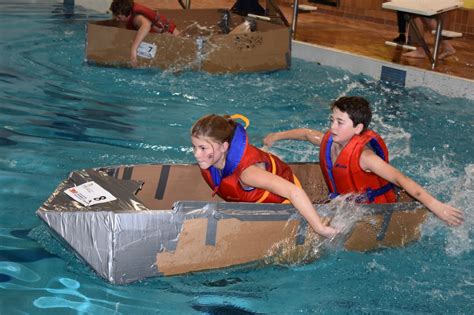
(58, 114)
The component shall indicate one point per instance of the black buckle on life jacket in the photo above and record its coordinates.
(333, 195)
(371, 194)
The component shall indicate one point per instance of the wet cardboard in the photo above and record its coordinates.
(204, 47)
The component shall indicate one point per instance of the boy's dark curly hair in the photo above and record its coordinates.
(121, 7)
(357, 108)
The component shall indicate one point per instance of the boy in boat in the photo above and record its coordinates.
(143, 19)
(354, 159)
(238, 171)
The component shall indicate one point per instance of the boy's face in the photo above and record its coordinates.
(120, 18)
(342, 128)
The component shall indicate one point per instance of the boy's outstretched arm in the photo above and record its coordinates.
(305, 134)
(143, 25)
(369, 161)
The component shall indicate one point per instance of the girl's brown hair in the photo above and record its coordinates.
(219, 128)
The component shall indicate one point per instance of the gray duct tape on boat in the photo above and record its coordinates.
(100, 234)
(120, 246)
(215, 211)
(123, 190)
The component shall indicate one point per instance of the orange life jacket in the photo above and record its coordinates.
(346, 176)
(160, 23)
(226, 182)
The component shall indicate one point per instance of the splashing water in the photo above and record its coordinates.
(459, 241)
(342, 213)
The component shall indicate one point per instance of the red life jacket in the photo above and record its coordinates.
(241, 154)
(346, 176)
(160, 23)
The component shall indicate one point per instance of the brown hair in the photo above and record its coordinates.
(121, 7)
(219, 128)
(357, 108)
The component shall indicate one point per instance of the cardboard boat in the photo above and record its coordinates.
(164, 221)
(203, 45)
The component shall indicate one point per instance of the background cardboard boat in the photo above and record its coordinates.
(203, 47)
(151, 230)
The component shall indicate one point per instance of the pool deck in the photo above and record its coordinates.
(355, 37)
(357, 46)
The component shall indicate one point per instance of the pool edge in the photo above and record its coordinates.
(407, 76)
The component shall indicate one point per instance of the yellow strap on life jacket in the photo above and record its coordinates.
(266, 193)
(241, 117)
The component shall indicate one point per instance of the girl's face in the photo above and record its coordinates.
(342, 128)
(209, 152)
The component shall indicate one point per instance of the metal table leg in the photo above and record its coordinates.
(294, 21)
(438, 39)
(421, 38)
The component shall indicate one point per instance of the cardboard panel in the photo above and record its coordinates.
(184, 182)
(404, 228)
(204, 18)
(237, 242)
(311, 178)
(110, 45)
(257, 51)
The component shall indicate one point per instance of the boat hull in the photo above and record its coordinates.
(151, 230)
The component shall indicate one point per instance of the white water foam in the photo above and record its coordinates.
(396, 138)
(345, 214)
(458, 241)
(351, 86)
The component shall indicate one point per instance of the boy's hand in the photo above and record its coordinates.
(269, 139)
(450, 215)
(133, 59)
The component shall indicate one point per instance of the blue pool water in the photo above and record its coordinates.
(59, 114)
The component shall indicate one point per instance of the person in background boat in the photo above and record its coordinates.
(239, 172)
(143, 19)
(354, 159)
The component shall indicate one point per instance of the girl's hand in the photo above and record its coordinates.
(327, 231)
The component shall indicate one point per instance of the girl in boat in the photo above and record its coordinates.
(240, 172)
